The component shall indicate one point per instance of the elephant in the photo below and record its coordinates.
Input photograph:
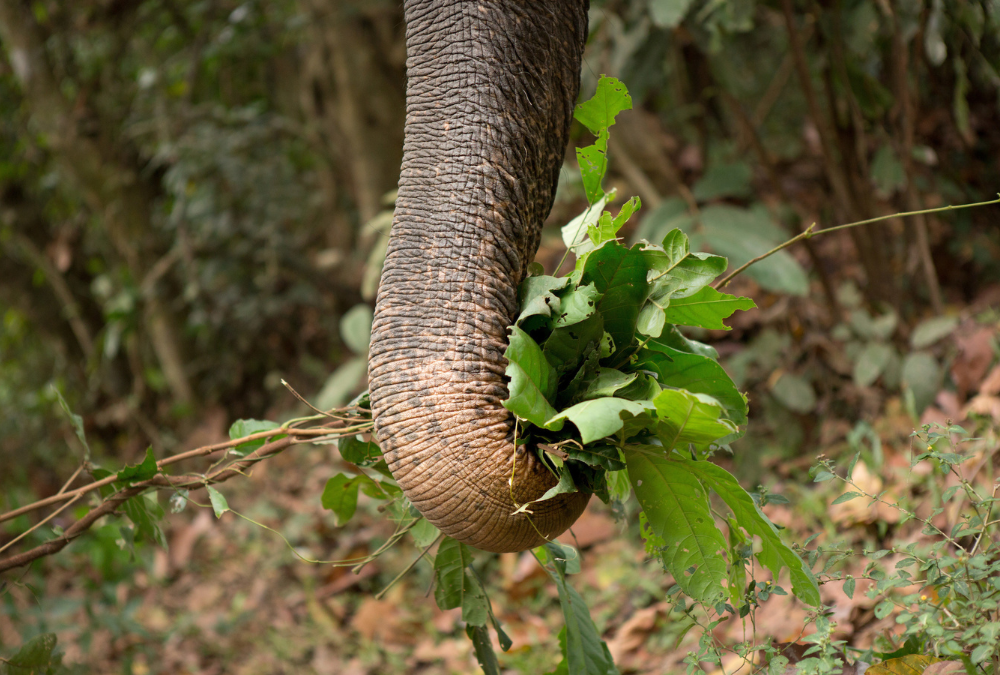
(491, 89)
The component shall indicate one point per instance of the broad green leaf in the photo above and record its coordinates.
(574, 233)
(690, 418)
(566, 346)
(742, 234)
(584, 651)
(342, 384)
(355, 450)
(724, 180)
(921, 376)
(537, 298)
(619, 486)
(577, 304)
(356, 328)
(930, 331)
(644, 388)
(674, 339)
(606, 456)
(619, 274)
(652, 317)
(145, 513)
(244, 428)
(218, 500)
(532, 379)
(706, 309)
(677, 509)
(593, 161)
(795, 393)
(607, 382)
(595, 419)
(455, 586)
(483, 646)
(668, 13)
(340, 496)
(887, 171)
(871, 363)
(675, 270)
(140, 472)
(696, 374)
(424, 533)
(600, 111)
(628, 209)
(37, 655)
(774, 553)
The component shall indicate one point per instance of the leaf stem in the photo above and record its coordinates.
(809, 232)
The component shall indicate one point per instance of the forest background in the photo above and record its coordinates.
(193, 194)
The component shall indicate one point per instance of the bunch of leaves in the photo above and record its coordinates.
(601, 348)
(954, 613)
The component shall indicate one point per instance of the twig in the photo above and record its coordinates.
(378, 596)
(110, 504)
(809, 233)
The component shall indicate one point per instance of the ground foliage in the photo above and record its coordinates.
(700, 70)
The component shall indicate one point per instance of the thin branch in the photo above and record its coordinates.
(809, 232)
(378, 596)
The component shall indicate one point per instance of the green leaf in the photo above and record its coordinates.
(595, 419)
(584, 651)
(600, 111)
(846, 497)
(355, 450)
(341, 496)
(342, 383)
(774, 553)
(218, 501)
(724, 180)
(75, 420)
(849, 584)
(564, 486)
(567, 345)
(921, 376)
(795, 393)
(674, 266)
(577, 304)
(690, 418)
(743, 234)
(35, 656)
(424, 533)
(533, 380)
(871, 363)
(668, 13)
(696, 374)
(356, 328)
(145, 513)
(593, 161)
(607, 382)
(674, 339)
(537, 298)
(574, 232)
(140, 472)
(887, 172)
(706, 309)
(244, 428)
(483, 646)
(677, 509)
(619, 486)
(455, 587)
(605, 456)
(619, 274)
(930, 331)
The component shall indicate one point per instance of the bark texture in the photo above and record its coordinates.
(491, 86)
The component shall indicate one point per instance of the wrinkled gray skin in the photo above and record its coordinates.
(490, 95)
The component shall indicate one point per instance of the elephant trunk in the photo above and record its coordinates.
(491, 86)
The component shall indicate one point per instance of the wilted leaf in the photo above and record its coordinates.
(913, 664)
